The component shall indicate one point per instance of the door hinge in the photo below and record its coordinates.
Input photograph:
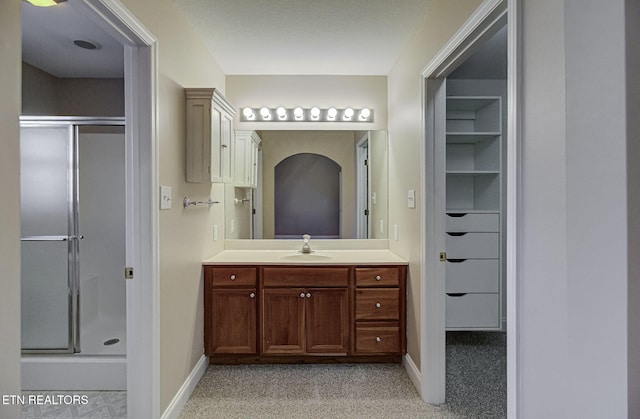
(366, 212)
(366, 162)
(443, 256)
(128, 273)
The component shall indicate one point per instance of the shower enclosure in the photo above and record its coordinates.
(73, 253)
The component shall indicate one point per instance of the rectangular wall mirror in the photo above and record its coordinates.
(329, 184)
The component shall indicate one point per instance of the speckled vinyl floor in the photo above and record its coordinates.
(476, 388)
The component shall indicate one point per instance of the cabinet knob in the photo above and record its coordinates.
(302, 295)
(378, 277)
(233, 277)
(308, 295)
(252, 295)
(378, 339)
(378, 305)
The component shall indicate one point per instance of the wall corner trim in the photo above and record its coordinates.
(413, 372)
(184, 393)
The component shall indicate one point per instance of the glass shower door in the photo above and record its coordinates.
(48, 239)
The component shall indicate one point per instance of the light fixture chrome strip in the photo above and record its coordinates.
(299, 114)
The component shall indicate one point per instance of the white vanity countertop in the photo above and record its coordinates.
(292, 257)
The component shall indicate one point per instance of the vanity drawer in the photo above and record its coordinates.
(378, 338)
(472, 245)
(377, 277)
(231, 276)
(473, 275)
(378, 304)
(466, 223)
(473, 311)
(305, 277)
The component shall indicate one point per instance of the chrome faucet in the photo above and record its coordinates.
(305, 244)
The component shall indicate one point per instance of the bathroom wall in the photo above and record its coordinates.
(405, 145)
(10, 68)
(186, 235)
(44, 94)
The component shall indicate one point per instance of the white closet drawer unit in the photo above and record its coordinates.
(473, 246)
(470, 311)
(473, 275)
(472, 222)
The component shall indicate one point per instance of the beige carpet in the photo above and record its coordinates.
(309, 391)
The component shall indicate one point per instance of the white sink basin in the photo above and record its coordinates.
(305, 257)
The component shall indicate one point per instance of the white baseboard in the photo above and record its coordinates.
(182, 397)
(414, 372)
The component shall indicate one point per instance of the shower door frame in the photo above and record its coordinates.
(73, 234)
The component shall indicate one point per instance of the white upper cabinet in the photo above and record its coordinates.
(246, 159)
(209, 136)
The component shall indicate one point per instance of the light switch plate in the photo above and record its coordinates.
(411, 198)
(165, 197)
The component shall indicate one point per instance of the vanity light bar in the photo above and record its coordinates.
(298, 114)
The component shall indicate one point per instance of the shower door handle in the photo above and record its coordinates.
(45, 238)
(79, 237)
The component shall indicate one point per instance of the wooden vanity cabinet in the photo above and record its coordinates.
(305, 313)
(308, 316)
(380, 310)
(230, 301)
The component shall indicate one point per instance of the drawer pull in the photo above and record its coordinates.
(308, 295)
(456, 234)
(456, 215)
(252, 295)
(233, 277)
(456, 294)
(378, 339)
(378, 305)
(456, 260)
(302, 295)
(378, 277)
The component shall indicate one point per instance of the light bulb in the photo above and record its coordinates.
(265, 112)
(298, 113)
(365, 113)
(348, 113)
(315, 112)
(248, 113)
(331, 113)
(282, 113)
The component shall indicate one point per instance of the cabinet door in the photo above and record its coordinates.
(327, 320)
(232, 322)
(283, 320)
(226, 145)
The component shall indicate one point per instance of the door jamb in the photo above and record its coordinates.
(432, 348)
(143, 328)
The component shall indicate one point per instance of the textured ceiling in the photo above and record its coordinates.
(333, 37)
(47, 43)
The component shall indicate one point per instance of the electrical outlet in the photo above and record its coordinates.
(411, 198)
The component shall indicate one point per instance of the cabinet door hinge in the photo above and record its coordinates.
(128, 273)
(443, 256)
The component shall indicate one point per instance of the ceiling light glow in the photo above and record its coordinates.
(45, 3)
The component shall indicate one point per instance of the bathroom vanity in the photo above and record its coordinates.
(281, 306)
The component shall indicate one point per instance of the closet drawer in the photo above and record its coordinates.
(231, 276)
(378, 304)
(470, 311)
(378, 338)
(377, 277)
(473, 275)
(472, 223)
(472, 246)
